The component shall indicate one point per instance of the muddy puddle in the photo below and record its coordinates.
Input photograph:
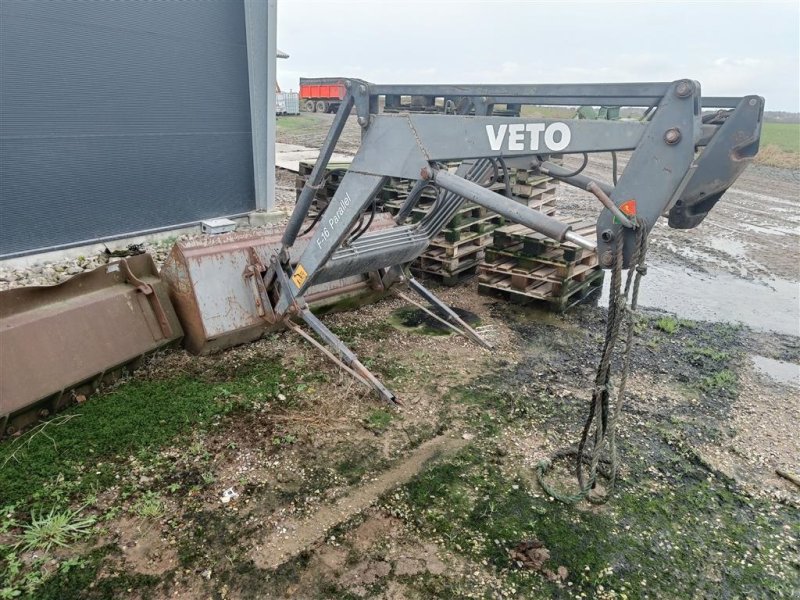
(780, 371)
(771, 305)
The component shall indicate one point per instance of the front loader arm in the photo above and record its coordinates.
(665, 172)
(733, 145)
(681, 162)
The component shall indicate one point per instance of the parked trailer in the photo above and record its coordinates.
(321, 94)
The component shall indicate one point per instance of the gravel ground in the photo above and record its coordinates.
(700, 417)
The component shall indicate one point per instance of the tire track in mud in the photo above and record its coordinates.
(297, 535)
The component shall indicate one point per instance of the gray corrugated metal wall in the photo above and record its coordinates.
(120, 117)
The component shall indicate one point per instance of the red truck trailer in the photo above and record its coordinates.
(321, 94)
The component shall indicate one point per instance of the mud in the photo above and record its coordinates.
(416, 318)
(323, 470)
(294, 537)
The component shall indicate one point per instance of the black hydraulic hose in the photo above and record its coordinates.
(324, 184)
(358, 234)
(577, 172)
(314, 222)
(506, 177)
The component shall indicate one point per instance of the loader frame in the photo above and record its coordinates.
(682, 162)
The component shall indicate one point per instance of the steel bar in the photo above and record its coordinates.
(299, 330)
(451, 314)
(598, 193)
(646, 93)
(318, 172)
(350, 359)
(513, 211)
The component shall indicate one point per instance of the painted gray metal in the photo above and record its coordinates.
(514, 211)
(725, 157)
(662, 174)
(417, 139)
(410, 145)
(657, 171)
(120, 117)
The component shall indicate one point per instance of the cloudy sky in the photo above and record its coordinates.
(732, 48)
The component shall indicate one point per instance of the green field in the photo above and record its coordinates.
(784, 135)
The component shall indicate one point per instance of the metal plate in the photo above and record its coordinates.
(55, 338)
(215, 302)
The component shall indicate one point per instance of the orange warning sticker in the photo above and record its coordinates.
(628, 207)
(299, 276)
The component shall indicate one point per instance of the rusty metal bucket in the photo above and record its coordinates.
(212, 285)
(62, 340)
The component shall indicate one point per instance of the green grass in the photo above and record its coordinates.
(379, 419)
(56, 528)
(721, 381)
(295, 123)
(52, 465)
(549, 112)
(83, 581)
(665, 544)
(668, 324)
(785, 136)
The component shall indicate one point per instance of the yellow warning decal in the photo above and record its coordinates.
(299, 276)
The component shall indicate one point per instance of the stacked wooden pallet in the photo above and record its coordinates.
(455, 254)
(334, 173)
(524, 266)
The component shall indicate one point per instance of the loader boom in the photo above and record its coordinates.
(681, 163)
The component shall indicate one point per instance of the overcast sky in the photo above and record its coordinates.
(731, 48)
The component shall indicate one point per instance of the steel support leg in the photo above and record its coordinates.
(349, 359)
(448, 313)
(303, 204)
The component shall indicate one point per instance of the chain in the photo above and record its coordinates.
(599, 430)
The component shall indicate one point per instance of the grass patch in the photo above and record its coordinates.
(668, 324)
(149, 506)
(780, 145)
(379, 419)
(56, 528)
(83, 454)
(721, 381)
(292, 123)
(652, 541)
(357, 462)
(702, 352)
(91, 578)
(786, 136)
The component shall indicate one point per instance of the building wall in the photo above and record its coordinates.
(120, 117)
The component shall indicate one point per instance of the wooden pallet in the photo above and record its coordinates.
(463, 246)
(559, 298)
(466, 272)
(468, 227)
(437, 259)
(519, 241)
(466, 212)
(305, 168)
(524, 269)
